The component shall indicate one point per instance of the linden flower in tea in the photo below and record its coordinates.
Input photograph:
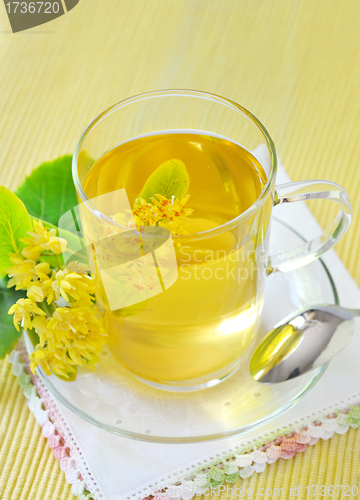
(207, 319)
(162, 212)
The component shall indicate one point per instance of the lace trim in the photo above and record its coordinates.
(253, 456)
(55, 429)
(195, 479)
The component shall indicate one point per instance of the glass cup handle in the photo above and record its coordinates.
(310, 190)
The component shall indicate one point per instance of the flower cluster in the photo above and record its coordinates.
(42, 239)
(161, 212)
(68, 336)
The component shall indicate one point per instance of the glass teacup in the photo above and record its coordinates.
(182, 311)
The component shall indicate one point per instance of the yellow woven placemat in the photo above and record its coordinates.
(294, 63)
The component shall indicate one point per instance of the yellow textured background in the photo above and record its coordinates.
(294, 63)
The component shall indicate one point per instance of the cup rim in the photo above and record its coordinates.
(186, 93)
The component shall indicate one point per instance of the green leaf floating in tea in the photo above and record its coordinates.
(169, 179)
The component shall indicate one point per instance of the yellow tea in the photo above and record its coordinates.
(207, 319)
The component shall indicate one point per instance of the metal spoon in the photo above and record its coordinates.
(301, 342)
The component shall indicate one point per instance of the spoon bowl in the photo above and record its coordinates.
(301, 342)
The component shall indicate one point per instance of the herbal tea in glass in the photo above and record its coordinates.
(205, 322)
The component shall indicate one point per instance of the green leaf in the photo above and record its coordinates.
(14, 224)
(169, 179)
(49, 191)
(9, 336)
(3, 282)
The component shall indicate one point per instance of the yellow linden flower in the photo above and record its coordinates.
(173, 213)
(88, 346)
(69, 284)
(163, 212)
(47, 338)
(42, 290)
(24, 310)
(21, 274)
(64, 323)
(80, 330)
(40, 324)
(71, 320)
(72, 336)
(170, 209)
(42, 239)
(42, 271)
(35, 293)
(25, 272)
(146, 214)
(56, 245)
(52, 361)
(31, 252)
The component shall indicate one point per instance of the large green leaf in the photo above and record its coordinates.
(169, 179)
(49, 191)
(9, 336)
(14, 224)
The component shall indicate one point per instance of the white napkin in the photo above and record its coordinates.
(118, 468)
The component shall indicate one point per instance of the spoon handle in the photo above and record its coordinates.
(356, 312)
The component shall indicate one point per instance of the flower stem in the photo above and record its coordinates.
(47, 308)
(58, 261)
